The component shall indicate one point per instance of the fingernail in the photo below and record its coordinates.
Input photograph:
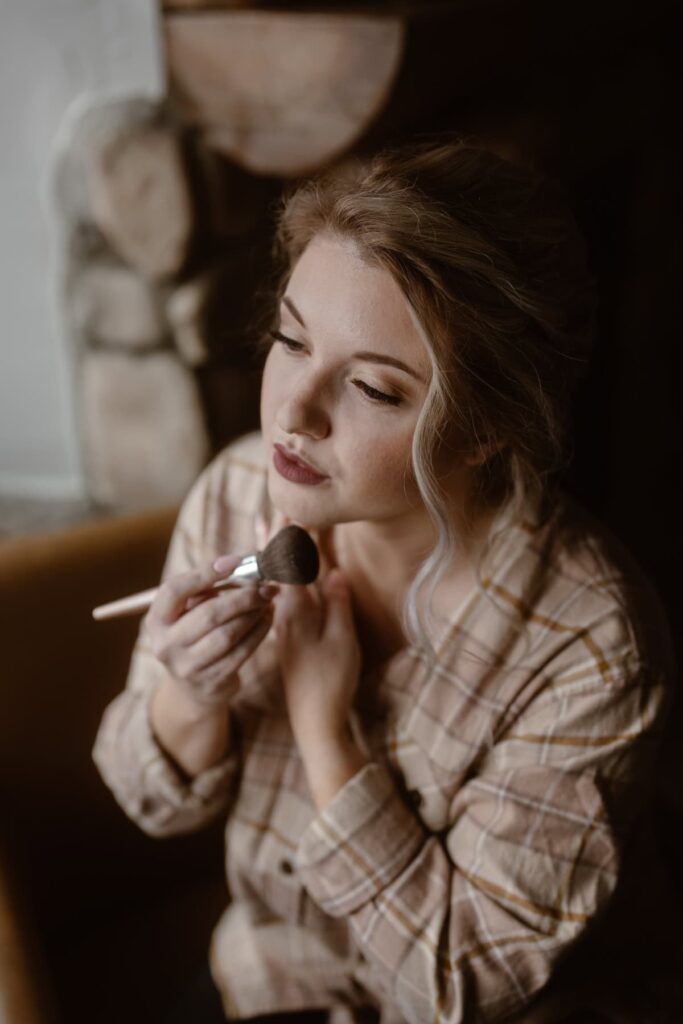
(223, 563)
(267, 590)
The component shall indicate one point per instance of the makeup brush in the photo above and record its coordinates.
(290, 557)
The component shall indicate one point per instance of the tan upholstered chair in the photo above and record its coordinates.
(98, 922)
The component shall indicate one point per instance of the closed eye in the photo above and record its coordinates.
(372, 393)
(289, 343)
(375, 395)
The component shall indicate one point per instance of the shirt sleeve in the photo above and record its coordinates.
(466, 925)
(142, 777)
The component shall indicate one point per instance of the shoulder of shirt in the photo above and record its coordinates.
(584, 551)
(243, 458)
(246, 453)
(598, 583)
(231, 486)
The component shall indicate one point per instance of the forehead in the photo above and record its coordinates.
(346, 300)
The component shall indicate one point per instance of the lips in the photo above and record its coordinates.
(294, 468)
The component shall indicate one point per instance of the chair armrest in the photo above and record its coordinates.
(90, 876)
(60, 667)
(25, 997)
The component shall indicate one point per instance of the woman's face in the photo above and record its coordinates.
(342, 389)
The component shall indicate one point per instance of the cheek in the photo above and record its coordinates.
(387, 458)
(269, 395)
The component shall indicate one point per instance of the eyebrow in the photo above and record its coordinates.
(370, 357)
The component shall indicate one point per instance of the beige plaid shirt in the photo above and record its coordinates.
(446, 880)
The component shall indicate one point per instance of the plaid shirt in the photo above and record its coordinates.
(446, 880)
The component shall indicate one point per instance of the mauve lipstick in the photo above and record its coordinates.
(294, 469)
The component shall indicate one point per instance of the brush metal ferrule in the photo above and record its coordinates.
(246, 572)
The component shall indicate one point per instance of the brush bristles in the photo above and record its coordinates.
(290, 557)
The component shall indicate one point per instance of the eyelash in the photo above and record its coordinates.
(372, 393)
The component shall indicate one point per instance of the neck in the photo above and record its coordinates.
(396, 544)
(381, 559)
(388, 553)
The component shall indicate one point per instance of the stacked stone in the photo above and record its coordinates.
(166, 211)
(163, 240)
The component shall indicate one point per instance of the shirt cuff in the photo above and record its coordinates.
(144, 779)
(201, 791)
(360, 842)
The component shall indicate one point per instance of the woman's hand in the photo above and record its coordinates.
(318, 649)
(319, 656)
(202, 637)
(320, 662)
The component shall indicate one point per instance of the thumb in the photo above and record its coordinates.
(295, 610)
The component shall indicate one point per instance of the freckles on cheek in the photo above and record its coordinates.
(387, 459)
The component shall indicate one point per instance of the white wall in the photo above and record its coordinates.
(53, 53)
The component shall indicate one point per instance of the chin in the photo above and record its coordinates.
(305, 508)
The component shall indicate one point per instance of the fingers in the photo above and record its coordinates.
(170, 601)
(218, 610)
(220, 634)
(335, 585)
(192, 602)
(227, 638)
(307, 610)
(212, 679)
(297, 610)
(202, 635)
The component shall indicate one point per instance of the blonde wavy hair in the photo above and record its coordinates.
(491, 261)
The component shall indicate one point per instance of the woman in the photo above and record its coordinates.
(430, 761)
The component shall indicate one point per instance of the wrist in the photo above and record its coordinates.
(177, 700)
(315, 739)
(194, 736)
(331, 757)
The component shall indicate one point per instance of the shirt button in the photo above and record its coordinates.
(415, 797)
(286, 867)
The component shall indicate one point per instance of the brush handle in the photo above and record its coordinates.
(246, 572)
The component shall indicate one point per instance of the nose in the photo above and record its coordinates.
(303, 412)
